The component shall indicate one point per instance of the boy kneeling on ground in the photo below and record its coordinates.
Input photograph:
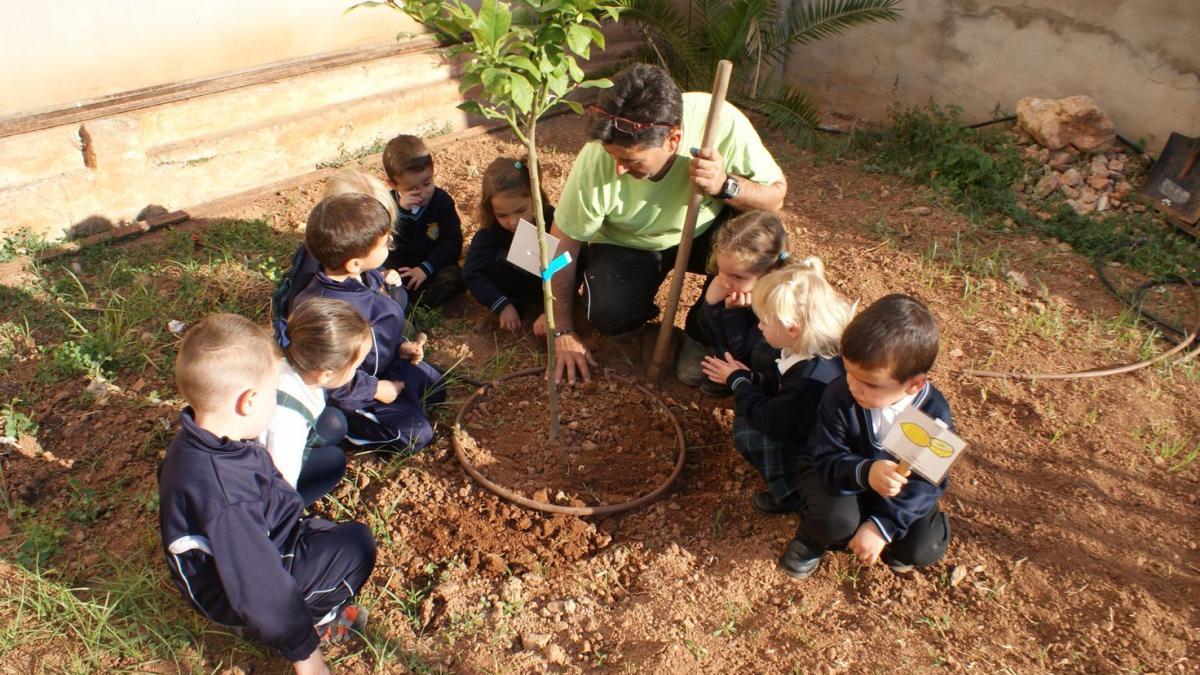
(236, 542)
(853, 492)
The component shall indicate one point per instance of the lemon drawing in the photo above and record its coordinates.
(920, 438)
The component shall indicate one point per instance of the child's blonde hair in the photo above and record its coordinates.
(351, 182)
(799, 295)
(756, 239)
(221, 356)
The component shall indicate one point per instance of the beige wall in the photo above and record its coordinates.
(1139, 59)
(58, 52)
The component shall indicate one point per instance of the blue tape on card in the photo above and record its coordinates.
(557, 264)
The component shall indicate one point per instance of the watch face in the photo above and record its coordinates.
(730, 189)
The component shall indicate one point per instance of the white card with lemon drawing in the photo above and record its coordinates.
(924, 443)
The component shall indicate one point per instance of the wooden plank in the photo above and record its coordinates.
(137, 99)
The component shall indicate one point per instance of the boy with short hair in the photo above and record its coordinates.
(234, 536)
(349, 236)
(853, 492)
(428, 230)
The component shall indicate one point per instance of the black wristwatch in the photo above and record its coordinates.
(730, 188)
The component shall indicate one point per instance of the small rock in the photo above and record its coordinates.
(957, 575)
(1069, 192)
(554, 654)
(1080, 207)
(589, 446)
(1071, 177)
(956, 353)
(569, 606)
(1098, 182)
(1098, 166)
(532, 641)
(1102, 204)
(1088, 196)
(1046, 185)
(920, 211)
(1059, 159)
(1017, 279)
(1139, 208)
(1117, 164)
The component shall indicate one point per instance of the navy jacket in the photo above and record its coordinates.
(843, 447)
(229, 526)
(487, 268)
(431, 238)
(784, 406)
(735, 329)
(369, 296)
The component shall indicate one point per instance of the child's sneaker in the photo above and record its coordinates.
(798, 561)
(351, 619)
(896, 566)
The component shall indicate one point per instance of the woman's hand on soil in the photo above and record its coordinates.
(867, 543)
(539, 326)
(509, 318)
(885, 478)
(387, 390)
(719, 370)
(572, 359)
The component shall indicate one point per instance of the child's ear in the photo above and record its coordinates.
(246, 401)
(391, 185)
(325, 377)
(914, 383)
(353, 266)
(793, 330)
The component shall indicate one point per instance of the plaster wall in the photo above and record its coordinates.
(59, 52)
(1139, 59)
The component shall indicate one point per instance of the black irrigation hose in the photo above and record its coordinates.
(1134, 299)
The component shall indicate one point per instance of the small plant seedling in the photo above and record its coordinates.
(17, 424)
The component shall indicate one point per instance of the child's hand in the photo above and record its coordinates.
(885, 478)
(409, 199)
(539, 326)
(415, 276)
(414, 350)
(716, 292)
(313, 665)
(387, 390)
(867, 543)
(509, 318)
(717, 370)
(737, 299)
(392, 278)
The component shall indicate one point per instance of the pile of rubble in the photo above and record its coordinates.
(1074, 142)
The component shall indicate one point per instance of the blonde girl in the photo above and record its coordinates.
(747, 247)
(514, 295)
(803, 316)
(327, 340)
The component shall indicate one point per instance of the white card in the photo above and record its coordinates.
(524, 250)
(924, 443)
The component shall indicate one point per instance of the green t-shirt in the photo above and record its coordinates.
(600, 207)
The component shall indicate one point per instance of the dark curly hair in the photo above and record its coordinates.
(640, 93)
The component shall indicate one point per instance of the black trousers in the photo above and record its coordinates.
(829, 520)
(326, 464)
(621, 282)
(331, 563)
(440, 288)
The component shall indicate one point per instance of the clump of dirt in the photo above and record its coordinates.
(616, 441)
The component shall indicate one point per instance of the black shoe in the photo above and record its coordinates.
(766, 503)
(896, 566)
(798, 562)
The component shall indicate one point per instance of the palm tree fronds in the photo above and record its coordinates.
(789, 110)
(810, 21)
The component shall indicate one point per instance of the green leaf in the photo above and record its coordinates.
(558, 83)
(574, 69)
(492, 24)
(522, 92)
(524, 64)
(597, 37)
(490, 77)
(579, 39)
(600, 83)
(573, 105)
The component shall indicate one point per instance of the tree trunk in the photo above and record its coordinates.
(539, 217)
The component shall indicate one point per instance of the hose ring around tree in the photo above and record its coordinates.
(520, 500)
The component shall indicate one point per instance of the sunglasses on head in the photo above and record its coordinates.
(622, 124)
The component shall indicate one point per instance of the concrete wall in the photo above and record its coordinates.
(72, 50)
(1139, 59)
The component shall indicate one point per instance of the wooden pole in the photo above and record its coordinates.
(720, 86)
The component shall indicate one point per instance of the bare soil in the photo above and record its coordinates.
(1075, 539)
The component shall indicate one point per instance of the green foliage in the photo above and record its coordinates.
(523, 55)
(977, 170)
(756, 36)
(20, 244)
(16, 423)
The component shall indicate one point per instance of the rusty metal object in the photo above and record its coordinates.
(1173, 184)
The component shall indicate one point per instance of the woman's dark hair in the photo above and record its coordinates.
(324, 334)
(504, 174)
(644, 94)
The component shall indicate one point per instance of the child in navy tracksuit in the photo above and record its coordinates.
(305, 266)
(743, 250)
(803, 316)
(428, 232)
(854, 493)
(234, 534)
(512, 293)
(384, 403)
